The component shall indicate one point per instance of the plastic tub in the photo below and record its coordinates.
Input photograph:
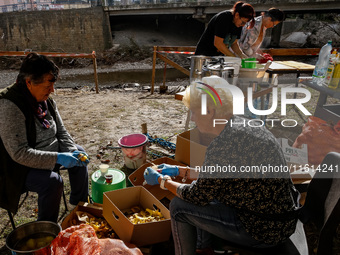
(253, 74)
(134, 149)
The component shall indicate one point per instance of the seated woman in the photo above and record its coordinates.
(252, 37)
(34, 142)
(252, 208)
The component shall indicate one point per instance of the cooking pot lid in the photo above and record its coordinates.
(220, 67)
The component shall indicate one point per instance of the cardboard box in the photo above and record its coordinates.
(71, 219)
(116, 202)
(191, 147)
(294, 156)
(137, 178)
(296, 159)
(301, 176)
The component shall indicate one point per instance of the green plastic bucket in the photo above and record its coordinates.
(249, 63)
(100, 184)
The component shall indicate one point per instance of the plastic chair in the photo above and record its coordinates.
(295, 245)
(10, 215)
(322, 208)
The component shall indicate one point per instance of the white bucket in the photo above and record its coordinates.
(134, 149)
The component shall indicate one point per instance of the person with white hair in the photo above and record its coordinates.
(254, 209)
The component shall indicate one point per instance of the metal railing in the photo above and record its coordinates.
(38, 5)
(45, 6)
(76, 4)
(131, 2)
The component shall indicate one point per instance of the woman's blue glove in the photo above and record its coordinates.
(82, 156)
(70, 159)
(170, 170)
(151, 176)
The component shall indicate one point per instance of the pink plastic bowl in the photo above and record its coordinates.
(132, 141)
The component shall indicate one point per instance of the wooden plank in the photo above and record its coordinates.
(163, 87)
(179, 95)
(177, 48)
(293, 52)
(170, 62)
(55, 54)
(262, 92)
(277, 66)
(48, 54)
(153, 69)
(271, 51)
(95, 74)
(297, 65)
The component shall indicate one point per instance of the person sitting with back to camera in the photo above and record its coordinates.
(252, 37)
(249, 208)
(34, 142)
(223, 31)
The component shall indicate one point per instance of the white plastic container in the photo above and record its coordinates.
(253, 74)
(322, 63)
(104, 168)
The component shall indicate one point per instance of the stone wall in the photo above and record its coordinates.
(72, 31)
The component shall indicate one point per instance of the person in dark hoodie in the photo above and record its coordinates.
(34, 142)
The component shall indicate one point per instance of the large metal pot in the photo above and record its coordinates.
(197, 67)
(222, 66)
(224, 70)
(229, 68)
(29, 233)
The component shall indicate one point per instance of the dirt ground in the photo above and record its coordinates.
(97, 121)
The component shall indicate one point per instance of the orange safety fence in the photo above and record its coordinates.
(54, 54)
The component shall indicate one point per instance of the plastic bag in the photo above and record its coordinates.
(265, 57)
(82, 240)
(320, 137)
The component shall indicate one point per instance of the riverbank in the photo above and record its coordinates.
(121, 74)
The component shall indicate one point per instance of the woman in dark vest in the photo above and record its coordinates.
(223, 31)
(34, 142)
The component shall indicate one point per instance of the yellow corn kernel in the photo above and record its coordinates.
(82, 157)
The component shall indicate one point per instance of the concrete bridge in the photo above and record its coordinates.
(149, 23)
(182, 23)
(199, 9)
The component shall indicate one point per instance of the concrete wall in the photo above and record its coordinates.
(72, 31)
